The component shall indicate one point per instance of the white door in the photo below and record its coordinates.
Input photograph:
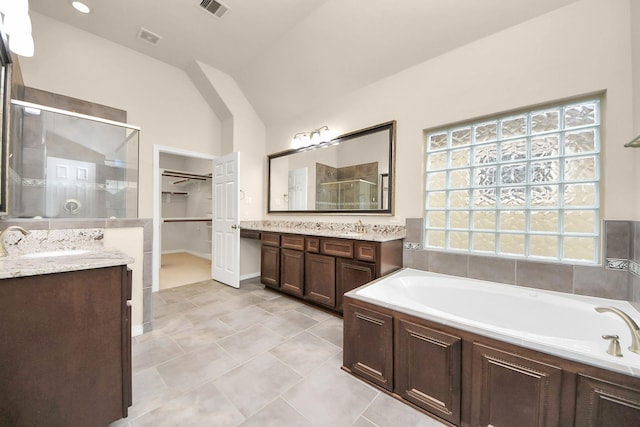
(225, 239)
(298, 189)
(70, 188)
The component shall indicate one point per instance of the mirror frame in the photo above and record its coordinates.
(5, 61)
(387, 126)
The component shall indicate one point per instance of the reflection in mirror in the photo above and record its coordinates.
(352, 173)
(5, 95)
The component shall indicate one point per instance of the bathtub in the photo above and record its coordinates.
(564, 325)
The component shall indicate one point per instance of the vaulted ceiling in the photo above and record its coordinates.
(289, 56)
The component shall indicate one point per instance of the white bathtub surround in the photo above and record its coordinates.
(561, 324)
(374, 232)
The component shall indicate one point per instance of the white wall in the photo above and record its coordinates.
(246, 132)
(159, 98)
(634, 18)
(130, 241)
(580, 49)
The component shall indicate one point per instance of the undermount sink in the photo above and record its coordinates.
(50, 254)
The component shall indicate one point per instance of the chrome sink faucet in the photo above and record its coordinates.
(3, 251)
(633, 326)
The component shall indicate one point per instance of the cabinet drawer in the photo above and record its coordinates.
(365, 251)
(312, 244)
(271, 239)
(249, 234)
(337, 247)
(292, 241)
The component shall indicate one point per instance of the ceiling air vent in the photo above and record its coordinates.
(215, 7)
(148, 36)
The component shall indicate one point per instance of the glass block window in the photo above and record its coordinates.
(524, 184)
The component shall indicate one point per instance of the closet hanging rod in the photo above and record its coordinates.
(185, 175)
(186, 220)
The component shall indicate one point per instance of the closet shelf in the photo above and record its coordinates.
(176, 193)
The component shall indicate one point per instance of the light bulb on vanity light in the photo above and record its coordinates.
(22, 45)
(14, 7)
(17, 25)
(315, 137)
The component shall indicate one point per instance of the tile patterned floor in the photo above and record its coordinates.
(219, 356)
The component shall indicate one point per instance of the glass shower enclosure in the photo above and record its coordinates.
(69, 165)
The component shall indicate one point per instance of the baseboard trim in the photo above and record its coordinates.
(136, 330)
(206, 256)
(249, 276)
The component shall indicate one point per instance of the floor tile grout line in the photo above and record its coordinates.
(282, 339)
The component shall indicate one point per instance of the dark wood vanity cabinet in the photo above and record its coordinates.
(270, 260)
(292, 271)
(292, 264)
(320, 279)
(322, 269)
(350, 274)
(65, 355)
(467, 379)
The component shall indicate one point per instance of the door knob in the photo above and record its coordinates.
(234, 226)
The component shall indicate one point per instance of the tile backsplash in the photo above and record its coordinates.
(617, 278)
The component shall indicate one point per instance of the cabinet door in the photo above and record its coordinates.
(320, 279)
(270, 266)
(292, 271)
(601, 403)
(510, 390)
(427, 369)
(368, 349)
(350, 275)
(63, 357)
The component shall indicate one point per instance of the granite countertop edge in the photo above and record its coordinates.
(14, 266)
(368, 236)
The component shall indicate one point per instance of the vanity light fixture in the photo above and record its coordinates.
(80, 7)
(16, 22)
(634, 143)
(300, 140)
(314, 137)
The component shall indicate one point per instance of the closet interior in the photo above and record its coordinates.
(186, 220)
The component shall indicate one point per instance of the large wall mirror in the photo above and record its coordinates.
(349, 174)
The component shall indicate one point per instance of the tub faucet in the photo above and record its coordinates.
(3, 251)
(633, 326)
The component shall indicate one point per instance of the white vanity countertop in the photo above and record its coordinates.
(37, 263)
(375, 232)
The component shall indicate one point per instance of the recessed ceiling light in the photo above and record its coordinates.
(80, 7)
